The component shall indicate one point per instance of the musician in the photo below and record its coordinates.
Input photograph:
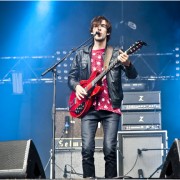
(106, 106)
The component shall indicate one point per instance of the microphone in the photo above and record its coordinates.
(65, 172)
(139, 151)
(96, 33)
(66, 126)
(140, 173)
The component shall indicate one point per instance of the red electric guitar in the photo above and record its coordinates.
(78, 108)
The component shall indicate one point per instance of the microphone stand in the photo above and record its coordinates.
(154, 149)
(160, 167)
(53, 69)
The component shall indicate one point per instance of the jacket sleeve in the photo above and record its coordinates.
(73, 76)
(130, 71)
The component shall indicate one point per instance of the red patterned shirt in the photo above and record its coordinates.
(102, 101)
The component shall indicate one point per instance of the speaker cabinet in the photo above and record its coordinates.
(20, 159)
(140, 153)
(71, 126)
(68, 153)
(171, 167)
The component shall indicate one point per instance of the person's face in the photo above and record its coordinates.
(102, 29)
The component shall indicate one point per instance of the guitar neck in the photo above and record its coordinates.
(104, 72)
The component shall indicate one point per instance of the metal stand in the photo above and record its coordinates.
(160, 167)
(154, 149)
(53, 69)
(52, 173)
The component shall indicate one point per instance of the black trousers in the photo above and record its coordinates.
(89, 124)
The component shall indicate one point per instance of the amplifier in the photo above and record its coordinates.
(70, 126)
(75, 143)
(141, 117)
(141, 127)
(133, 87)
(141, 120)
(68, 154)
(134, 107)
(141, 100)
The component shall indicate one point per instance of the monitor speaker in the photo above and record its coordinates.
(20, 160)
(140, 153)
(171, 167)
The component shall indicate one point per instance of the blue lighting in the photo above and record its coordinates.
(43, 8)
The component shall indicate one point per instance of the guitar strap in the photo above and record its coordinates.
(108, 56)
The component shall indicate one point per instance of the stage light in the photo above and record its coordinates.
(58, 58)
(65, 78)
(177, 61)
(17, 82)
(64, 52)
(132, 25)
(59, 77)
(58, 71)
(64, 67)
(176, 48)
(43, 8)
(57, 52)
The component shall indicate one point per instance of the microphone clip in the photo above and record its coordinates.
(139, 151)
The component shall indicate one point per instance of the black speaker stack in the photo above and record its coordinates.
(141, 111)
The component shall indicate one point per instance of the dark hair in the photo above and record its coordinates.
(97, 21)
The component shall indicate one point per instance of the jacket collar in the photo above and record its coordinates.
(88, 49)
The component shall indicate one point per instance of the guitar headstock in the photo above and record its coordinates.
(136, 46)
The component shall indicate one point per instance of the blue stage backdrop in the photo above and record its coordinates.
(35, 34)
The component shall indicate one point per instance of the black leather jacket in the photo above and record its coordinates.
(80, 70)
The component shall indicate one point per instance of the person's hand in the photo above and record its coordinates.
(80, 92)
(124, 58)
